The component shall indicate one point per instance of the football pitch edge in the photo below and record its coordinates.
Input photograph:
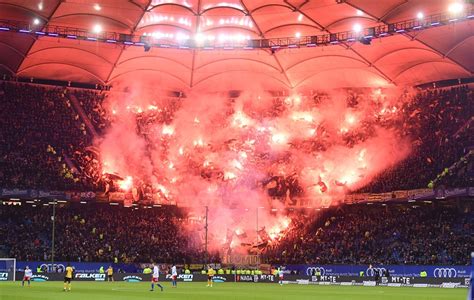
(199, 291)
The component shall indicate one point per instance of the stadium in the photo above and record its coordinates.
(252, 149)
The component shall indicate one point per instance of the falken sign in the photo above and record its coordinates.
(183, 277)
(90, 276)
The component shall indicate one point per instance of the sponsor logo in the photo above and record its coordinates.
(39, 278)
(400, 279)
(267, 278)
(445, 272)
(326, 278)
(219, 279)
(309, 271)
(95, 276)
(247, 278)
(3, 276)
(183, 277)
(132, 279)
(60, 268)
(371, 271)
(302, 281)
(450, 285)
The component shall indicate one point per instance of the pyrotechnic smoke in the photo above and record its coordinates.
(234, 154)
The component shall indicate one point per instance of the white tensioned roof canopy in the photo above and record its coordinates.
(410, 58)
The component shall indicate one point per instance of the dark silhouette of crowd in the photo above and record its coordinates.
(427, 233)
(39, 133)
(440, 123)
(403, 233)
(96, 232)
(91, 102)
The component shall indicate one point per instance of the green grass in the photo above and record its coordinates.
(198, 291)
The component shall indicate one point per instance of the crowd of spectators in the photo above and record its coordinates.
(48, 146)
(95, 232)
(439, 122)
(380, 234)
(92, 103)
(434, 233)
(39, 132)
(47, 140)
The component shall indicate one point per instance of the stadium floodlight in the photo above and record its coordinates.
(420, 15)
(36, 21)
(456, 7)
(357, 27)
(298, 35)
(7, 269)
(97, 28)
(97, 7)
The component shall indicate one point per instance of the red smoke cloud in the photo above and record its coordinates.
(207, 149)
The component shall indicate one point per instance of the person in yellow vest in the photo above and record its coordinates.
(68, 278)
(210, 276)
(220, 271)
(110, 274)
(147, 270)
(101, 270)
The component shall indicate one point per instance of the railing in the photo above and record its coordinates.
(364, 36)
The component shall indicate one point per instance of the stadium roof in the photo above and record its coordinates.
(410, 58)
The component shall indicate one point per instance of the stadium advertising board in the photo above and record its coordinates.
(39, 278)
(132, 278)
(256, 278)
(246, 278)
(79, 267)
(383, 281)
(288, 279)
(393, 270)
(181, 277)
(219, 278)
(3, 276)
(90, 276)
(14, 193)
(81, 195)
(329, 270)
